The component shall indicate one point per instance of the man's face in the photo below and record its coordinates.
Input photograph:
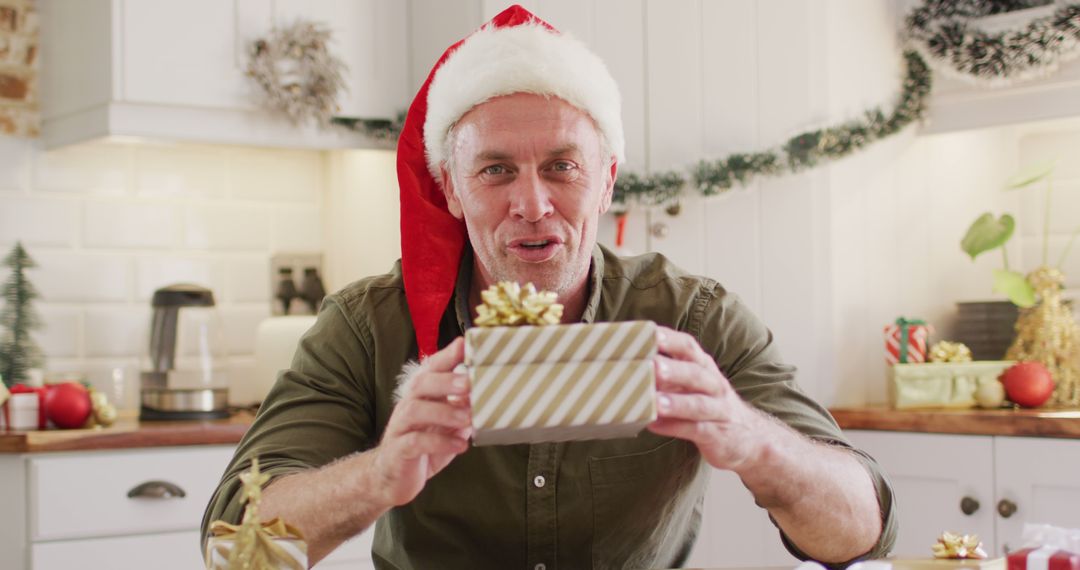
(530, 178)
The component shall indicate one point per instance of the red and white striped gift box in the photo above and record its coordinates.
(914, 351)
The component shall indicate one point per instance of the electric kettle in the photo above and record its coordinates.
(183, 375)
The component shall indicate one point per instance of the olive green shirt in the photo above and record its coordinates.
(624, 503)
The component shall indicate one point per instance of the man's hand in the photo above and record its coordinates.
(428, 428)
(696, 402)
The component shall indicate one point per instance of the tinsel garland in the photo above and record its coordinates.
(942, 30)
(297, 73)
(803, 151)
(384, 130)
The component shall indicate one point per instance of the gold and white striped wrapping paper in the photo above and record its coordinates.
(561, 382)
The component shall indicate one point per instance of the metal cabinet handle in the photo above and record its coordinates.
(1006, 508)
(969, 505)
(156, 490)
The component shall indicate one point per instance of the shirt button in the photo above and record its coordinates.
(539, 481)
(541, 565)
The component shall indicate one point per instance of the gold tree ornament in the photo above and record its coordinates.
(1047, 333)
(509, 304)
(958, 546)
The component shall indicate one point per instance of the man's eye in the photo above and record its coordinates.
(495, 170)
(563, 166)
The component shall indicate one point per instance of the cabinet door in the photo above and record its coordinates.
(187, 53)
(173, 551)
(931, 475)
(1041, 477)
(370, 37)
(735, 532)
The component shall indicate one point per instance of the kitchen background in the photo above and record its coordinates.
(156, 164)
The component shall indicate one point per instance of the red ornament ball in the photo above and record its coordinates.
(1029, 384)
(67, 405)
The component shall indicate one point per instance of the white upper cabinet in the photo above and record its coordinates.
(176, 70)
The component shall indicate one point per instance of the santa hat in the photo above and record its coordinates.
(515, 52)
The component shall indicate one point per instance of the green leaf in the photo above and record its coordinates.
(1030, 174)
(1015, 286)
(987, 233)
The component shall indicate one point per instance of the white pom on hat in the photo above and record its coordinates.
(527, 58)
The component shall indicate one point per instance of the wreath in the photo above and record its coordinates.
(297, 73)
(943, 31)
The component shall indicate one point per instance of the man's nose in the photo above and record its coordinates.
(530, 199)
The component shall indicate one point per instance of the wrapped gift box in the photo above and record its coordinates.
(941, 384)
(22, 412)
(561, 382)
(279, 545)
(1045, 558)
(905, 341)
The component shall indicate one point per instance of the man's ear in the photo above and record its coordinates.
(447, 183)
(609, 188)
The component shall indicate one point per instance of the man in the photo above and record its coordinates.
(508, 158)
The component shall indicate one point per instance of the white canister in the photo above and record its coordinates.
(275, 344)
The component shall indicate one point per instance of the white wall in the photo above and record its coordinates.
(108, 223)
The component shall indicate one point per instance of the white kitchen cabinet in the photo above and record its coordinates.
(176, 70)
(1013, 480)
(72, 510)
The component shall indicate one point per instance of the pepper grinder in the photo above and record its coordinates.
(286, 289)
(312, 290)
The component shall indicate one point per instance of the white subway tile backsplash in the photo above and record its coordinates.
(276, 175)
(131, 225)
(298, 229)
(59, 335)
(81, 276)
(180, 171)
(228, 227)
(98, 168)
(240, 324)
(247, 279)
(1064, 209)
(15, 158)
(116, 331)
(38, 221)
(1062, 146)
(154, 272)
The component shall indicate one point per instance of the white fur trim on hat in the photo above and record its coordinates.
(527, 58)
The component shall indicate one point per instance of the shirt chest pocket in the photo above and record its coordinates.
(646, 505)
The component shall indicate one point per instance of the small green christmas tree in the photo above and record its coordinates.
(18, 351)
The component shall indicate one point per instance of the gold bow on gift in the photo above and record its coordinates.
(510, 304)
(956, 546)
(945, 351)
(250, 545)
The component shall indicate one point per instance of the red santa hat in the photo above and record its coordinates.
(515, 52)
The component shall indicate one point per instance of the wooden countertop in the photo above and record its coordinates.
(128, 433)
(1035, 423)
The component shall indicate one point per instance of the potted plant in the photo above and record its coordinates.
(1045, 330)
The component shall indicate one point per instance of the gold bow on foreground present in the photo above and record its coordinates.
(509, 304)
(251, 545)
(956, 546)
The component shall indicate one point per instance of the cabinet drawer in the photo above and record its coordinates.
(86, 494)
(173, 551)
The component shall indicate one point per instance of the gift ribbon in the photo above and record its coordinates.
(903, 324)
(1039, 559)
(264, 537)
(24, 389)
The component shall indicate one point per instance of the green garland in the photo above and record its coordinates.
(801, 152)
(939, 28)
(385, 130)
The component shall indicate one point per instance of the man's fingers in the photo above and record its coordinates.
(680, 346)
(439, 385)
(693, 407)
(446, 359)
(418, 443)
(413, 415)
(682, 429)
(681, 376)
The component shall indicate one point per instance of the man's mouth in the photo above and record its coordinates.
(535, 249)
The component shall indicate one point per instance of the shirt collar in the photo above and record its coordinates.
(464, 282)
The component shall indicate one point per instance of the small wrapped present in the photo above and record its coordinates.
(255, 545)
(905, 341)
(22, 409)
(556, 382)
(941, 384)
(1043, 558)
